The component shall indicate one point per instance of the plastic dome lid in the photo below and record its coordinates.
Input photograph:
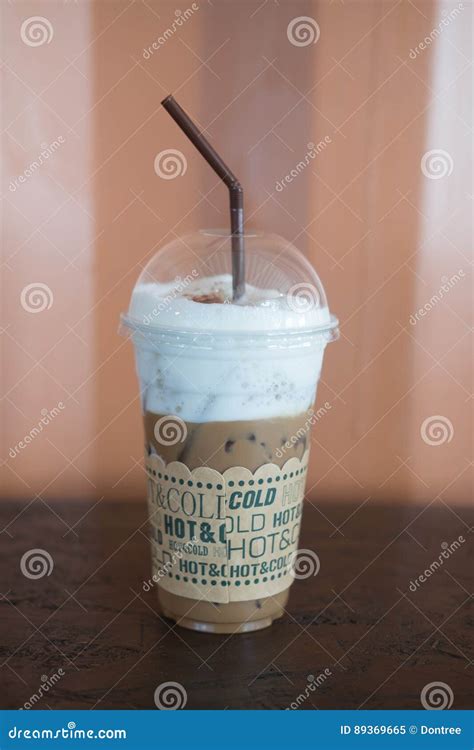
(187, 286)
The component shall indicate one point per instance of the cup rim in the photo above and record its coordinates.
(330, 330)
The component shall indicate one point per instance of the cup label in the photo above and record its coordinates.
(225, 537)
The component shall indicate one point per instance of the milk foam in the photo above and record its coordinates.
(170, 306)
(224, 383)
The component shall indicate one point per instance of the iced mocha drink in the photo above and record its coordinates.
(227, 392)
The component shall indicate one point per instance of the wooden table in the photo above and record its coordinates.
(379, 642)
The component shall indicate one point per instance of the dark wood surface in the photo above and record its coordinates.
(381, 642)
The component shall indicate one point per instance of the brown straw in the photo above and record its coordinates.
(236, 193)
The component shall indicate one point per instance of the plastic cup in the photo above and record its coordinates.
(227, 394)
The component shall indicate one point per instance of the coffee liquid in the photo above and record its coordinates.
(220, 446)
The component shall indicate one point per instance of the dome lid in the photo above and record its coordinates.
(187, 286)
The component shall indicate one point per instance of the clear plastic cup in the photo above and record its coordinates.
(227, 391)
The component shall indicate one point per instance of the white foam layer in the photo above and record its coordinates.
(170, 306)
(224, 383)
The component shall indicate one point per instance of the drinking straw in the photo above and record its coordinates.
(236, 193)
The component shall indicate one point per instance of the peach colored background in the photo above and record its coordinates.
(380, 232)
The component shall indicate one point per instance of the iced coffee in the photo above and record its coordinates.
(227, 392)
